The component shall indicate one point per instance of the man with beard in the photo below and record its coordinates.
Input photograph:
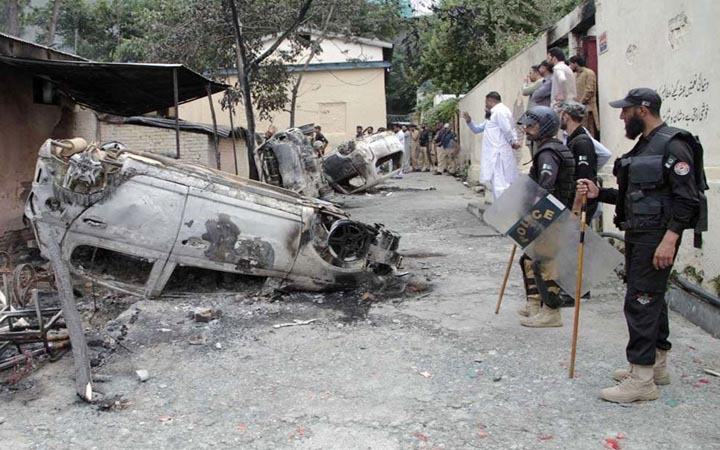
(553, 168)
(498, 166)
(656, 199)
(586, 93)
(581, 146)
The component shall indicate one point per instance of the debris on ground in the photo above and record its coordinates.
(113, 403)
(197, 340)
(295, 323)
(206, 315)
(417, 284)
(142, 375)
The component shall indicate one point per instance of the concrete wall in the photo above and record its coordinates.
(338, 100)
(25, 126)
(508, 82)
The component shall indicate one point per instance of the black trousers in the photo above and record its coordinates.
(646, 310)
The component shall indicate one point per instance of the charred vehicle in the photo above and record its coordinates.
(287, 160)
(163, 213)
(361, 164)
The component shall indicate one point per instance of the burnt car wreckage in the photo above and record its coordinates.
(288, 160)
(164, 213)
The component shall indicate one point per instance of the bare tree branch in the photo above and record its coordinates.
(284, 35)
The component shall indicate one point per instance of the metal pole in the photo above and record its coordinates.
(232, 139)
(177, 113)
(578, 286)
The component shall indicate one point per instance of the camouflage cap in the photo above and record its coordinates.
(575, 109)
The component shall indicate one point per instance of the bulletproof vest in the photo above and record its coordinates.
(647, 200)
(565, 184)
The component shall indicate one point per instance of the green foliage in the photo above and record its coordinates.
(99, 30)
(382, 19)
(463, 41)
(445, 111)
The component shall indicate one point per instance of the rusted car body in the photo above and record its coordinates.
(165, 213)
(358, 165)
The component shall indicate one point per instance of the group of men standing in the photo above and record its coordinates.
(659, 194)
(553, 82)
(427, 150)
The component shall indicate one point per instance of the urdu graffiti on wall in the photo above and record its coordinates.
(682, 99)
(699, 83)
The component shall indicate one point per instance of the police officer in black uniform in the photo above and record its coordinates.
(581, 145)
(657, 198)
(553, 168)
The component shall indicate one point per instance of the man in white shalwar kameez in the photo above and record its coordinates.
(497, 164)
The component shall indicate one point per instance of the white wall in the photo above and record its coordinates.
(336, 50)
(508, 82)
(670, 46)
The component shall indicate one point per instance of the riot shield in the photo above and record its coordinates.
(550, 235)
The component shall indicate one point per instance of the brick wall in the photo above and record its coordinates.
(194, 147)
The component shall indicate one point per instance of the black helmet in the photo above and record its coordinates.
(543, 115)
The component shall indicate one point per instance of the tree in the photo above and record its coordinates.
(463, 41)
(52, 25)
(249, 59)
(12, 16)
(314, 49)
(99, 30)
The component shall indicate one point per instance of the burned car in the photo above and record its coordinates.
(361, 164)
(164, 213)
(287, 160)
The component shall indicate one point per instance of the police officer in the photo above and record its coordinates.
(581, 145)
(657, 198)
(553, 168)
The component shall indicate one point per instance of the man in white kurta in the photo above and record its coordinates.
(497, 163)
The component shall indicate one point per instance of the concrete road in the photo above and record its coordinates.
(432, 370)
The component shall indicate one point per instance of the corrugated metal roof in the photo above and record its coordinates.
(123, 89)
(194, 127)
